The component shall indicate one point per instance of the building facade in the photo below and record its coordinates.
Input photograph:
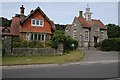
(87, 31)
(35, 26)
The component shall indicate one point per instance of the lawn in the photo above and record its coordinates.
(72, 56)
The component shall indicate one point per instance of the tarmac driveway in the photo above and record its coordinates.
(94, 55)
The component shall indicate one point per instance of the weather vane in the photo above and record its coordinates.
(87, 5)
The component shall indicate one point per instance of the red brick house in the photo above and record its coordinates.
(35, 26)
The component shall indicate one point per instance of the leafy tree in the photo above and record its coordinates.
(59, 37)
(60, 27)
(4, 22)
(113, 30)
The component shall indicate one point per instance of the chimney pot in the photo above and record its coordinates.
(22, 10)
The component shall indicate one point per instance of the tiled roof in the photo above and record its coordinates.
(83, 22)
(89, 24)
(99, 23)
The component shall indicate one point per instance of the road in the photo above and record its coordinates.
(89, 70)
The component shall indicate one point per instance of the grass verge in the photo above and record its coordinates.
(72, 56)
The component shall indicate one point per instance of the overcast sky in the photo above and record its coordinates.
(64, 12)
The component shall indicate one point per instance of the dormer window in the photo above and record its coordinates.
(37, 22)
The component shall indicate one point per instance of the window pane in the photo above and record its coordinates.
(33, 22)
(42, 37)
(35, 37)
(37, 22)
(31, 37)
(41, 22)
(39, 37)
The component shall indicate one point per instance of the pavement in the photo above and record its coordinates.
(91, 56)
(95, 55)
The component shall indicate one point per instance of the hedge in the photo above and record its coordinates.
(17, 42)
(111, 44)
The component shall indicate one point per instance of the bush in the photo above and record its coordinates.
(68, 43)
(17, 42)
(35, 44)
(59, 37)
(111, 44)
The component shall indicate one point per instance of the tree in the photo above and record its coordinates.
(4, 22)
(60, 27)
(59, 37)
(113, 31)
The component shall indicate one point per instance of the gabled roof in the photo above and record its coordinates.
(37, 9)
(68, 26)
(89, 24)
(83, 22)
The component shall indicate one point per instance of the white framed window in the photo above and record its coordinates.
(37, 22)
(33, 21)
(86, 36)
(37, 37)
(41, 22)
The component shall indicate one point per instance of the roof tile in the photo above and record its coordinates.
(89, 24)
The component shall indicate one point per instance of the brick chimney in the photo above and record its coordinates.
(80, 13)
(22, 10)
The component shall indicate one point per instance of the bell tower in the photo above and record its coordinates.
(88, 13)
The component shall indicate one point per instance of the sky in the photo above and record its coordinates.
(64, 12)
(119, 13)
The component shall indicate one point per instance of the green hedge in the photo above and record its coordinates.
(111, 44)
(17, 42)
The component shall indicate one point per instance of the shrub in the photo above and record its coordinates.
(17, 42)
(68, 43)
(35, 44)
(59, 37)
(111, 44)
